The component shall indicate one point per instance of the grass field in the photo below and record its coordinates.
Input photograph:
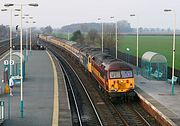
(159, 44)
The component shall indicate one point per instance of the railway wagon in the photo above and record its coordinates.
(114, 76)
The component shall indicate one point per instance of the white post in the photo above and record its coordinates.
(26, 43)
(116, 42)
(137, 54)
(30, 39)
(68, 35)
(21, 44)
(102, 38)
(10, 42)
(174, 49)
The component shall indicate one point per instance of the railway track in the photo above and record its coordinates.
(83, 109)
(3, 47)
(114, 114)
(130, 116)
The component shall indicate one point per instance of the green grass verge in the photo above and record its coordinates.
(159, 44)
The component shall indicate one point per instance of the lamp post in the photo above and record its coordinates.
(10, 53)
(127, 49)
(10, 43)
(68, 35)
(31, 22)
(26, 17)
(21, 40)
(137, 44)
(102, 35)
(27, 41)
(174, 47)
(116, 38)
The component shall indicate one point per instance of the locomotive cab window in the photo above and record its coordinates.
(126, 74)
(115, 74)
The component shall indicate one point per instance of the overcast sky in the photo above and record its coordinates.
(58, 13)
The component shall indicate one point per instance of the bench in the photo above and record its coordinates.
(157, 74)
(174, 79)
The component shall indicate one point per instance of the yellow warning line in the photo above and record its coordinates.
(56, 95)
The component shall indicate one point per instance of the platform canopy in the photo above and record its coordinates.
(16, 57)
(153, 57)
(154, 66)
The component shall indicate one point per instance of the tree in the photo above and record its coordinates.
(4, 32)
(77, 36)
(92, 36)
(47, 30)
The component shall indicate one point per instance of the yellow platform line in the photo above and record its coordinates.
(55, 116)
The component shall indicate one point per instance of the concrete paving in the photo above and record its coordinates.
(158, 93)
(38, 93)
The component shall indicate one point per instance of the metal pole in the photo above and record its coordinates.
(174, 48)
(116, 42)
(30, 40)
(26, 44)
(9, 108)
(10, 42)
(21, 42)
(137, 54)
(102, 38)
(68, 35)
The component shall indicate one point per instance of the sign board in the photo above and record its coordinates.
(12, 62)
(6, 62)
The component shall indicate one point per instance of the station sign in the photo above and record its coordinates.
(12, 62)
(6, 62)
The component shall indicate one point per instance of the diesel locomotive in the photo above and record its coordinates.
(114, 76)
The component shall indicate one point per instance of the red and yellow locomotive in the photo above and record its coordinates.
(113, 75)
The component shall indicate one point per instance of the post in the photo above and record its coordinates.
(68, 35)
(30, 40)
(137, 53)
(102, 38)
(26, 44)
(21, 102)
(174, 49)
(137, 43)
(10, 42)
(127, 54)
(116, 42)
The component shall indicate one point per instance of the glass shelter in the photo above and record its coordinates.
(154, 66)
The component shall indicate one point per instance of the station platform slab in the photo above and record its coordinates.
(158, 94)
(38, 94)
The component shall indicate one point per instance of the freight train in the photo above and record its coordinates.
(114, 76)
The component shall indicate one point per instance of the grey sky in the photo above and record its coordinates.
(63, 12)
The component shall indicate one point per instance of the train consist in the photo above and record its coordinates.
(114, 76)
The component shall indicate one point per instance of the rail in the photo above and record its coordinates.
(74, 97)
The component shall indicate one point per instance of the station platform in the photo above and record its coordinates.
(42, 100)
(158, 95)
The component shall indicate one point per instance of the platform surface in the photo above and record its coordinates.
(37, 91)
(158, 93)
